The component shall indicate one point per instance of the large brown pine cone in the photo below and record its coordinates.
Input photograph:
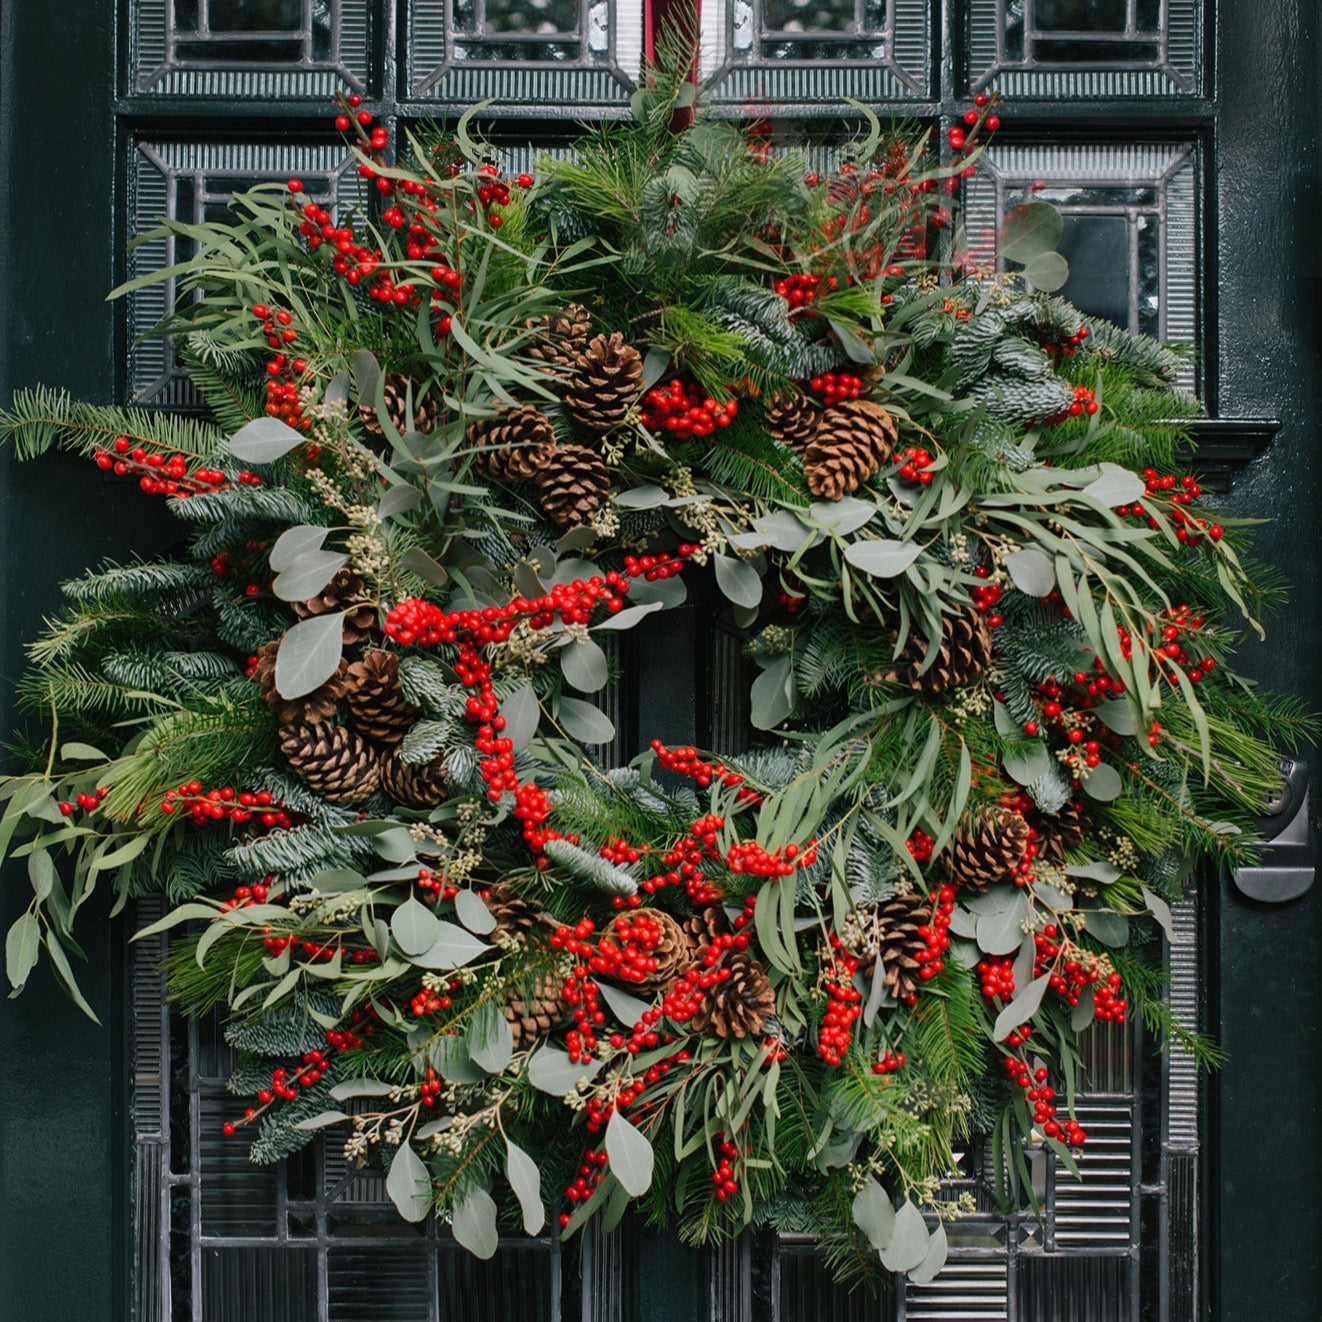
(607, 380)
(312, 708)
(573, 485)
(986, 851)
(414, 784)
(426, 411)
(515, 446)
(377, 706)
(740, 1003)
(671, 951)
(1058, 832)
(558, 340)
(895, 923)
(513, 911)
(852, 441)
(536, 1008)
(702, 928)
(963, 655)
(332, 761)
(792, 420)
(345, 592)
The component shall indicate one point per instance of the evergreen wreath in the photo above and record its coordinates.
(461, 438)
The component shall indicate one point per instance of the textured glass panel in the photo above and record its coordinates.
(558, 57)
(1079, 15)
(1097, 1290)
(193, 181)
(809, 55)
(254, 15)
(1077, 51)
(807, 1292)
(265, 49)
(1097, 249)
(1088, 49)
(383, 1284)
(1151, 187)
(244, 1284)
(521, 1281)
(968, 1289)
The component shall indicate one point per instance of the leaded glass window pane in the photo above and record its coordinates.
(1062, 49)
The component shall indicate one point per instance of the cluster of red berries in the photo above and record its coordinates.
(685, 410)
(749, 858)
(372, 140)
(723, 1181)
(836, 387)
(889, 1063)
(579, 992)
(843, 1004)
(914, 466)
(683, 864)
(1084, 402)
(625, 953)
(1067, 346)
(920, 846)
(427, 1000)
(987, 597)
(245, 897)
(213, 805)
(285, 370)
(89, 803)
(1179, 492)
(590, 1174)
(800, 291)
(163, 474)
(997, 978)
(685, 761)
(285, 1086)
(435, 886)
(1039, 1092)
(937, 935)
(429, 1089)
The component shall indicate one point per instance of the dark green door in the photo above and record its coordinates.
(1179, 143)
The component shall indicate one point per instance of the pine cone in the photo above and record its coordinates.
(345, 592)
(986, 851)
(414, 784)
(378, 708)
(740, 1004)
(1057, 832)
(671, 951)
(426, 411)
(573, 485)
(896, 922)
(332, 761)
(607, 382)
(793, 421)
(559, 340)
(702, 929)
(312, 708)
(852, 441)
(513, 911)
(515, 446)
(962, 656)
(535, 1009)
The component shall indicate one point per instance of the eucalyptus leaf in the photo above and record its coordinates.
(470, 909)
(474, 1224)
(1117, 715)
(399, 499)
(738, 580)
(408, 1182)
(309, 654)
(414, 927)
(640, 498)
(526, 1181)
(629, 616)
(629, 1010)
(882, 558)
(1047, 272)
(1029, 229)
(550, 1070)
(453, 948)
(522, 714)
(771, 698)
(938, 1250)
(1111, 929)
(308, 575)
(909, 1240)
(1001, 933)
(1161, 911)
(264, 440)
(22, 946)
(874, 1214)
(1103, 783)
(630, 1153)
(584, 722)
(1032, 573)
(489, 1037)
(1099, 871)
(1020, 1010)
(843, 516)
(583, 665)
(293, 542)
(415, 560)
(322, 1120)
(1116, 486)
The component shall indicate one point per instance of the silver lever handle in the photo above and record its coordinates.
(1285, 868)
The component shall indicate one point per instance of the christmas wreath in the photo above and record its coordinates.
(460, 438)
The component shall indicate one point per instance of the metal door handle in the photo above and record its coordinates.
(1285, 868)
